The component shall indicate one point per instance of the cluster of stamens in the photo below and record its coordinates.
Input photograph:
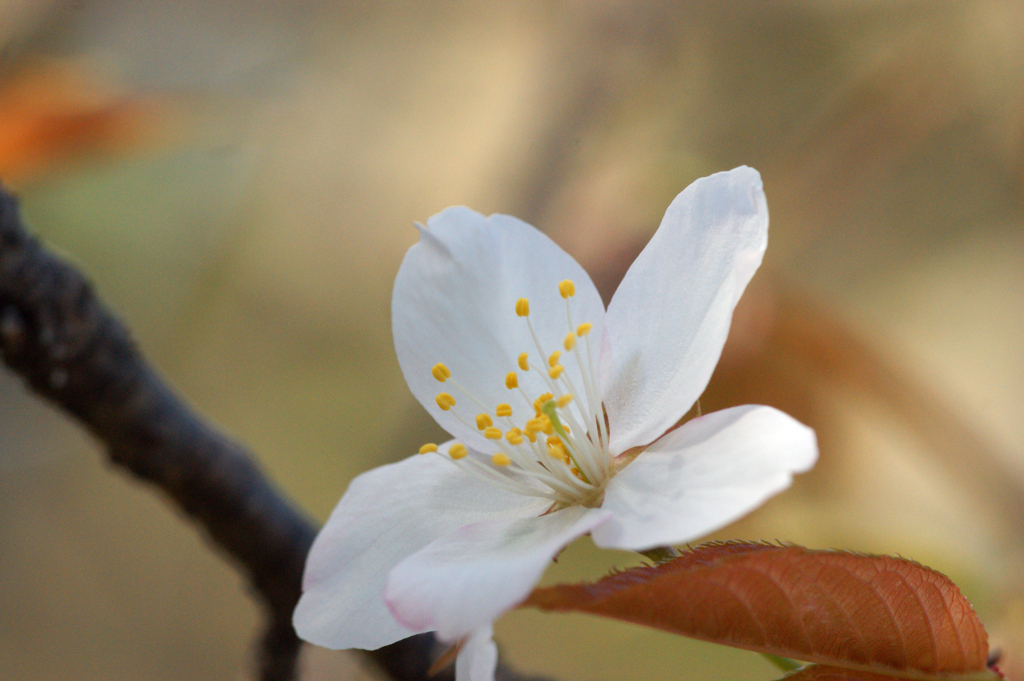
(560, 451)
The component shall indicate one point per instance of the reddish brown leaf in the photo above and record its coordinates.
(817, 672)
(875, 613)
(820, 672)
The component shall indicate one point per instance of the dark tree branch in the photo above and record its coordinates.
(57, 335)
(64, 342)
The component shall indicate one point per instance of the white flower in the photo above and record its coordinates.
(562, 414)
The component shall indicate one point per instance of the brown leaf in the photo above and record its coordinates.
(817, 672)
(820, 672)
(875, 613)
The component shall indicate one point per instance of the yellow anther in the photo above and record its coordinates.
(523, 364)
(556, 371)
(458, 451)
(483, 421)
(500, 459)
(531, 437)
(547, 428)
(553, 359)
(534, 426)
(523, 307)
(558, 452)
(564, 400)
(428, 448)
(553, 440)
(567, 289)
(514, 436)
(503, 410)
(445, 401)
(441, 372)
(584, 329)
(576, 471)
(539, 402)
(492, 433)
(570, 341)
(511, 380)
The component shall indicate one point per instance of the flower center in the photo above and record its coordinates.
(559, 449)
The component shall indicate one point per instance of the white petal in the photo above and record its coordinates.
(386, 515)
(454, 302)
(668, 320)
(478, 657)
(466, 579)
(703, 475)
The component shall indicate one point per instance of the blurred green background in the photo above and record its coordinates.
(240, 180)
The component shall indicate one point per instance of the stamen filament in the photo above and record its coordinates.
(468, 394)
(471, 426)
(531, 456)
(588, 373)
(492, 476)
(531, 467)
(602, 428)
(540, 349)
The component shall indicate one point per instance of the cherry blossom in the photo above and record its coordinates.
(562, 415)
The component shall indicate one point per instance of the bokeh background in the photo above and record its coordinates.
(240, 179)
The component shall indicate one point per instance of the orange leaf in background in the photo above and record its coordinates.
(872, 613)
(50, 112)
